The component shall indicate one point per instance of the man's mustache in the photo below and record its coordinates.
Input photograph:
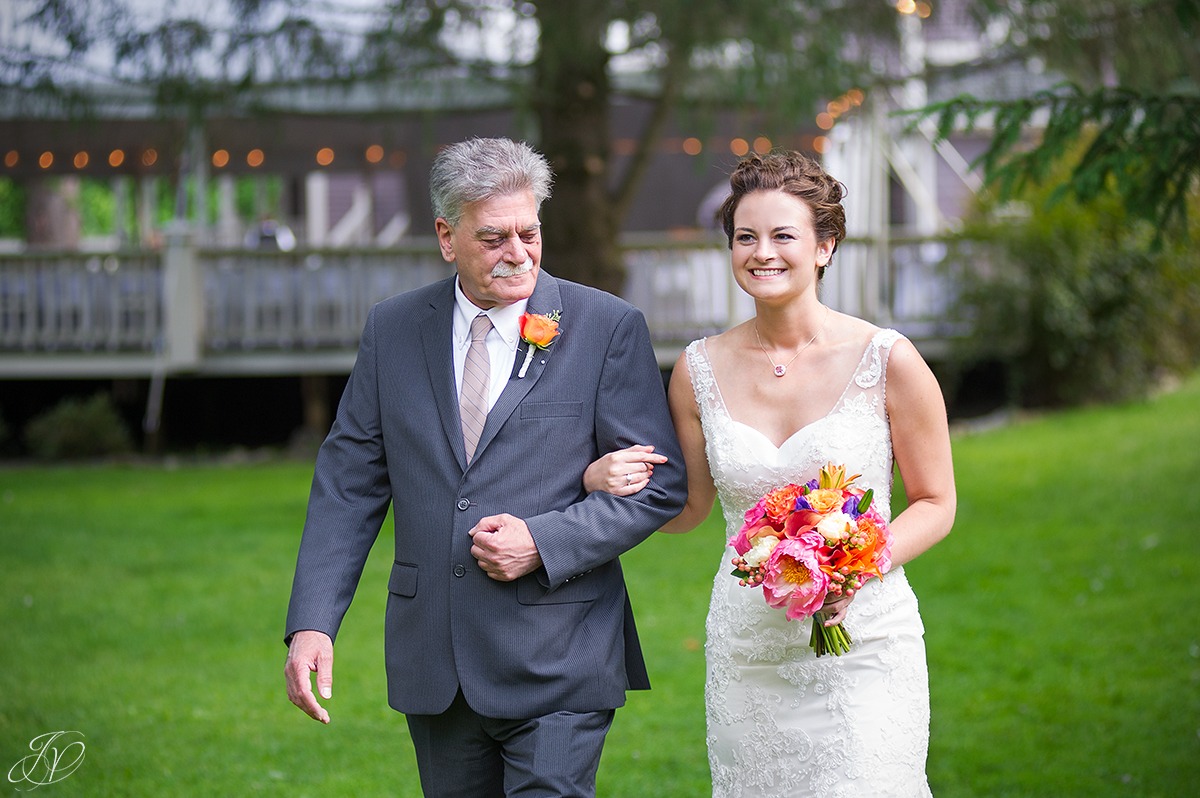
(507, 270)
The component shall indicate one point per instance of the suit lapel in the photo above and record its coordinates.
(545, 298)
(437, 341)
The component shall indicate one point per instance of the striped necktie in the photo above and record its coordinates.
(473, 398)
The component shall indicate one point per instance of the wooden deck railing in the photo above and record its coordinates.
(188, 309)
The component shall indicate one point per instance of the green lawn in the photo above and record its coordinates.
(143, 606)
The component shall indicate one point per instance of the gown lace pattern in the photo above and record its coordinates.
(780, 720)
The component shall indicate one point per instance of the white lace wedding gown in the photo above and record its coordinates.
(781, 721)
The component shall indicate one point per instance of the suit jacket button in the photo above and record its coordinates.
(463, 504)
(459, 571)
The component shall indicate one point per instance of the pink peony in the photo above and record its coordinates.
(756, 512)
(794, 580)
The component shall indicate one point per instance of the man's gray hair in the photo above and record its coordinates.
(481, 169)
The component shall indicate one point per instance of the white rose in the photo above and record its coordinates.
(761, 550)
(835, 526)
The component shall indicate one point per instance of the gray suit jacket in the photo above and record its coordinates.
(560, 639)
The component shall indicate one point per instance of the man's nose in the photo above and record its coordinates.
(514, 250)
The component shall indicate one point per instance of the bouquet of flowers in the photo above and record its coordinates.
(802, 543)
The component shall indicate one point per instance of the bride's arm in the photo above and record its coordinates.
(921, 446)
(627, 471)
(685, 414)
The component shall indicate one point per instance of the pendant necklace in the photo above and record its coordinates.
(781, 368)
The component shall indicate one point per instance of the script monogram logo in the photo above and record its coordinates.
(55, 756)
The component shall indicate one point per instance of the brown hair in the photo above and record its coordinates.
(792, 173)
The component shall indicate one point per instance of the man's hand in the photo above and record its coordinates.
(504, 547)
(310, 652)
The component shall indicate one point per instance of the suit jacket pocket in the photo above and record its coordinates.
(403, 581)
(551, 409)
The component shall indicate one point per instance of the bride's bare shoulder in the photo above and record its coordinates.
(729, 341)
(851, 330)
(726, 351)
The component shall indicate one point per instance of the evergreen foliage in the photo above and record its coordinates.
(1131, 94)
(1144, 147)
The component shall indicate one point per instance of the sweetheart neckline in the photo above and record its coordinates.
(853, 376)
(789, 438)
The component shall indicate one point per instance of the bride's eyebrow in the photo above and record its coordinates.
(780, 229)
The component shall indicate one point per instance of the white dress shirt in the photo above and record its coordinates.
(501, 341)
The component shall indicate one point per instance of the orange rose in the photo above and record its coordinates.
(538, 330)
(824, 501)
(782, 501)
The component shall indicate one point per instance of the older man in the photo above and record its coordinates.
(509, 635)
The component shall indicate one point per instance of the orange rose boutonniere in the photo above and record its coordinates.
(539, 331)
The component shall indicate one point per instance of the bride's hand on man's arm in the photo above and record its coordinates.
(623, 472)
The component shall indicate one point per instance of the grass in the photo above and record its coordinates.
(143, 606)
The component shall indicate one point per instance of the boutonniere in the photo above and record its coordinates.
(539, 331)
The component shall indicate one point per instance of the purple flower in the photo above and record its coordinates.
(850, 508)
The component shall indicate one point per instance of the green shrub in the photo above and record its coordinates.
(78, 428)
(1080, 303)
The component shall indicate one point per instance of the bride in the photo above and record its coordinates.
(769, 402)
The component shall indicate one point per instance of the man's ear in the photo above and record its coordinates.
(445, 237)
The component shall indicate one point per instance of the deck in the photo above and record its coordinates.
(190, 310)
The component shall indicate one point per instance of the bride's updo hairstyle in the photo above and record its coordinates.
(796, 174)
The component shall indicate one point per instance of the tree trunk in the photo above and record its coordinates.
(52, 214)
(580, 226)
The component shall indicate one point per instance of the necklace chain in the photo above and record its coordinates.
(781, 368)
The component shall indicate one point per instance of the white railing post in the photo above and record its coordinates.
(183, 298)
